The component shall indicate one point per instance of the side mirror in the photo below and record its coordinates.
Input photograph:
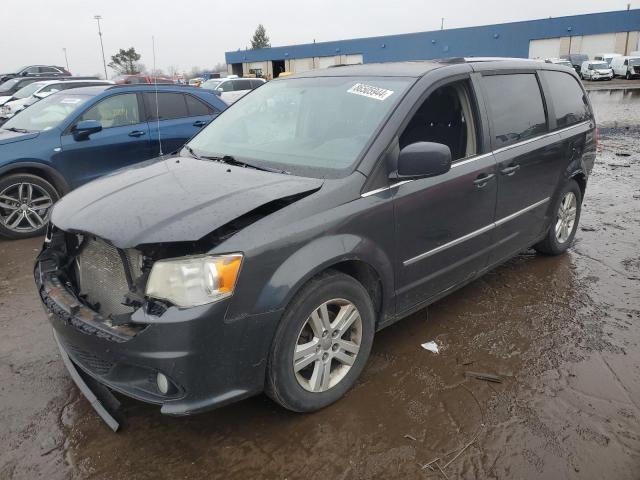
(424, 159)
(83, 129)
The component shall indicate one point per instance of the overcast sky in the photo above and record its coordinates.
(198, 32)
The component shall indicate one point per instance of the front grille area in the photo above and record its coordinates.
(101, 276)
(88, 360)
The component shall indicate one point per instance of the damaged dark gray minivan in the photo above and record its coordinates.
(312, 213)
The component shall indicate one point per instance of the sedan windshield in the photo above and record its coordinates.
(9, 84)
(47, 113)
(308, 126)
(29, 90)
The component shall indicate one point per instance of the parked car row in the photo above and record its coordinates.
(604, 66)
(36, 91)
(36, 71)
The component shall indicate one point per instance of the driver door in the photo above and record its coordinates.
(123, 141)
(443, 223)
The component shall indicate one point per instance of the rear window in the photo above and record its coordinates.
(197, 107)
(515, 103)
(569, 102)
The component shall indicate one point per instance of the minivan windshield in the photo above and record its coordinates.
(307, 126)
(600, 66)
(47, 113)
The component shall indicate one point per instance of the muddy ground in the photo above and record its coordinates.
(563, 333)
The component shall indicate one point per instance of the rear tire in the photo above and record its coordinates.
(25, 205)
(565, 221)
(313, 360)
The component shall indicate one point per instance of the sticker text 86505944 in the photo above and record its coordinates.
(370, 91)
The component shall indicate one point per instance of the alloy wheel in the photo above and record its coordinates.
(566, 217)
(24, 207)
(327, 345)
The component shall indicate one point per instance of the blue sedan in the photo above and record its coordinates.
(75, 136)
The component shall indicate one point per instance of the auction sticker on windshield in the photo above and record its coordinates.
(71, 100)
(370, 91)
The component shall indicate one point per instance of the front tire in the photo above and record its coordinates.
(25, 205)
(322, 343)
(565, 221)
(628, 76)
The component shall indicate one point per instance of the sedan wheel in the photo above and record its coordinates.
(327, 345)
(25, 205)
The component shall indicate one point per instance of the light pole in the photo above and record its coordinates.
(66, 60)
(442, 23)
(104, 62)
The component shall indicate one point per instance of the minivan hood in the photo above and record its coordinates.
(171, 200)
(9, 136)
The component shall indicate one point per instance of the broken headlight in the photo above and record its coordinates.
(193, 281)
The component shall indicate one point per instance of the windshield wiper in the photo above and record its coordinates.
(18, 130)
(238, 163)
(193, 154)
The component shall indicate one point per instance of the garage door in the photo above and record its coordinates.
(547, 48)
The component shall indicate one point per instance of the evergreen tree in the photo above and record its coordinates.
(260, 39)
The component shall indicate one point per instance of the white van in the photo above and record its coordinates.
(596, 70)
(627, 67)
(606, 57)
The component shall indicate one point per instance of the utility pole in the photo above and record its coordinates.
(442, 23)
(66, 60)
(104, 62)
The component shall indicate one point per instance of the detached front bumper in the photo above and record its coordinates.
(210, 361)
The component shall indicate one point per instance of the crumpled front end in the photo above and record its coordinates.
(186, 360)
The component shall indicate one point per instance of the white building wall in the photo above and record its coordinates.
(587, 44)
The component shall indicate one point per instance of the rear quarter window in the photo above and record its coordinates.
(516, 108)
(569, 102)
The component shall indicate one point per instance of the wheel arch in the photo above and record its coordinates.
(46, 172)
(355, 256)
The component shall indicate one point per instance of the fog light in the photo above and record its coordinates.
(163, 383)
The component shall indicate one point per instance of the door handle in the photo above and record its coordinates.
(510, 170)
(136, 133)
(199, 123)
(483, 179)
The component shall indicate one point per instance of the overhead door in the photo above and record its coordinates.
(546, 48)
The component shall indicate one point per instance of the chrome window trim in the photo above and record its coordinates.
(473, 234)
(484, 155)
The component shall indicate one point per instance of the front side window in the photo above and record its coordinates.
(569, 101)
(226, 86)
(32, 70)
(47, 113)
(169, 106)
(115, 111)
(446, 117)
(308, 126)
(515, 103)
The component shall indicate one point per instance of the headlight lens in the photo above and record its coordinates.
(193, 281)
